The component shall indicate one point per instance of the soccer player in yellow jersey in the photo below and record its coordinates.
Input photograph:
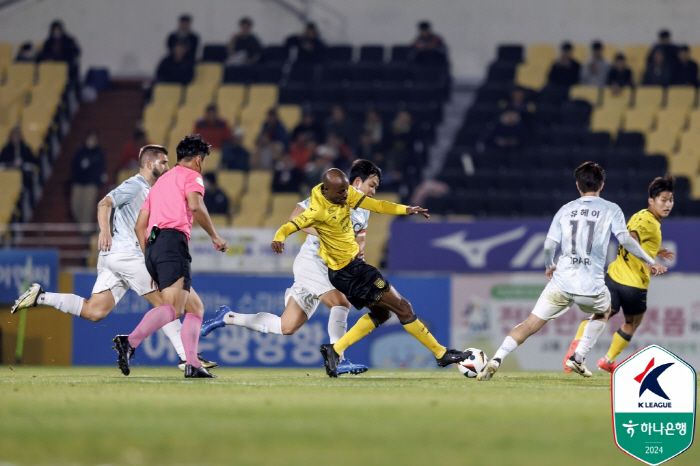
(628, 277)
(363, 285)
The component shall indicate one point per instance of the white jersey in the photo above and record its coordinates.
(358, 217)
(582, 228)
(127, 198)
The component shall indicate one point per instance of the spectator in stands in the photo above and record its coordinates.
(59, 46)
(310, 126)
(129, 158)
(659, 72)
(233, 155)
(302, 149)
(18, 155)
(244, 48)
(374, 127)
(184, 35)
(26, 53)
(339, 124)
(509, 131)
(271, 142)
(595, 73)
(620, 74)
(521, 103)
(176, 67)
(666, 46)
(88, 172)
(428, 48)
(686, 71)
(288, 177)
(308, 45)
(566, 70)
(366, 148)
(214, 198)
(214, 130)
(321, 162)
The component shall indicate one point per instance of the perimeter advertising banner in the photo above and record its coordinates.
(21, 267)
(389, 346)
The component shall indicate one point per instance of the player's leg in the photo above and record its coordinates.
(633, 302)
(338, 318)
(600, 307)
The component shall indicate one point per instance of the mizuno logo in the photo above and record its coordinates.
(475, 251)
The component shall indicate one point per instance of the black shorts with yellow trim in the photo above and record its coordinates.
(360, 282)
(633, 301)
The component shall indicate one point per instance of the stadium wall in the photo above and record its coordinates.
(128, 36)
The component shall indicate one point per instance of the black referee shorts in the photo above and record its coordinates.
(361, 283)
(168, 258)
(632, 300)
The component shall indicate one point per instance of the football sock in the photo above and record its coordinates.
(508, 345)
(338, 324)
(581, 328)
(619, 343)
(191, 327)
(151, 322)
(172, 331)
(590, 335)
(68, 303)
(416, 328)
(362, 328)
(262, 322)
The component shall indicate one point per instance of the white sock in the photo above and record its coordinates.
(69, 303)
(172, 331)
(508, 345)
(591, 333)
(262, 322)
(338, 324)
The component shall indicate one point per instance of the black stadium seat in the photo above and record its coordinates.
(214, 53)
(372, 53)
(399, 53)
(512, 53)
(339, 53)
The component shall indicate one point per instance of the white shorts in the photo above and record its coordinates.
(310, 282)
(553, 302)
(120, 272)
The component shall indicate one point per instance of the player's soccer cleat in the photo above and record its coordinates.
(452, 356)
(125, 351)
(579, 368)
(28, 299)
(606, 366)
(216, 322)
(489, 369)
(197, 373)
(330, 360)
(346, 367)
(572, 349)
(205, 364)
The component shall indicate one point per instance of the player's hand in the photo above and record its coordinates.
(219, 243)
(665, 254)
(413, 210)
(361, 254)
(277, 246)
(104, 241)
(549, 273)
(658, 269)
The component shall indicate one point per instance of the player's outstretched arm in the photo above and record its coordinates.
(104, 210)
(298, 211)
(550, 250)
(633, 247)
(195, 202)
(304, 220)
(386, 207)
(141, 228)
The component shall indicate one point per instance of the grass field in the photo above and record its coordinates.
(89, 415)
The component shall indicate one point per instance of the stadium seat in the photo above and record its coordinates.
(684, 163)
(648, 97)
(198, 97)
(10, 192)
(501, 72)
(289, 115)
(52, 74)
(609, 51)
(252, 211)
(229, 100)
(690, 142)
(214, 53)
(680, 97)
(531, 75)
(372, 53)
(672, 120)
(639, 119)
(20, 75)
(281, 207)
(230, 182)
(259, 182)
(123, 175)
(620, 101)
(263, 95)
(214, 160)
(399, 53)
(580, 53)
(166, 95)
(208, 75)
(544, 54)
(219, 220)
(274, 54)
(510, 53)
(339, 53)
(606, 119)
(5, 56)
(694, 121)
(661, 142)
(590, 94)
(636, 56)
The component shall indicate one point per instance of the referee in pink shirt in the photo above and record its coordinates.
(163, 230)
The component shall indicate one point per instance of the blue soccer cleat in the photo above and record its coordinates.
(346, 367)
(216, 322)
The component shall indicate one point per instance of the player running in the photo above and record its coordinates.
(628, 277)
(166, 220)
(311, 284)
(582, 229)
(120, 265)
(362, 284)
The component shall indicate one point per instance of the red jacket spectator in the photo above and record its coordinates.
(129, 158)
(213, 129)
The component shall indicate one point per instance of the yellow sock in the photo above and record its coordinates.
(420, 333)
(363, 327)
(619, 343)
(581, 328)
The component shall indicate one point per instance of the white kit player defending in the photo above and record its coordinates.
(582, 229)
(120, 264)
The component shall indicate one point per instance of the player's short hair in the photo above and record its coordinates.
(660, 185)
(597, 45)
(150, 152)
(589, 176)
(191, 146)
(363, 169)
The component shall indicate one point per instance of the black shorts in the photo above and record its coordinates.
(632, 300)
(361, 283)
(168, 259)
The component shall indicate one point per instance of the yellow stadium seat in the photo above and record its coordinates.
(621, 100)
(252, 116)
(198, 97)
(264, 96)
(187, 116)
(590, 94)
(5, 132)
(281, 207)
(695, 52)
(166, 95)
(684, 163)
(229, 100)
(208, 75)
(259, 182)
(5, 54)
(123, 175)
(609, 52)
(219, 220)
(648, 96)
(680, 96)
(690, 142)
(10, 115)
(230, 182)
(213, 160)
(672, 119)
(636, 55)
(156, 131)
(20, 75)
(252, 210)
(541, 53)
(52, 74)
(179, 131)
(639, 119)
(289, 115)
(532, 75)
(580, 52)
(606, 119)
(661, 142)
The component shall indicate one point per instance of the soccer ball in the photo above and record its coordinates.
(471, 366)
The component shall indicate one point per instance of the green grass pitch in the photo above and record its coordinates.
(89, 415)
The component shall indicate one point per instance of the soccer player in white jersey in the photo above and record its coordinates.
(120, 265)
(582, 229)
(311, 283)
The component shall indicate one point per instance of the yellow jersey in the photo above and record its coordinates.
(333, 224)
(627, 269)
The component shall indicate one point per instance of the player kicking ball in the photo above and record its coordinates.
(311, 283)
(120, 265)
(628, 277)
(364, 286)
(582, 229)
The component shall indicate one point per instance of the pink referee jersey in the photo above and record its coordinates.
(167, 200)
